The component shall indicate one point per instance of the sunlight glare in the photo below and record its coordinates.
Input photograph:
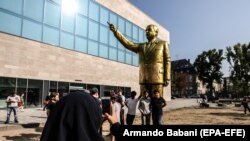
(69, 6)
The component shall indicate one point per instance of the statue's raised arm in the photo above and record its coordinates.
(122, 39)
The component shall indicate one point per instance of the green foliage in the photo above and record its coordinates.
(238, 57)
(208, 66)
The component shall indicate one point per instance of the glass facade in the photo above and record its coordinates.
(85, 31)
(36, 90)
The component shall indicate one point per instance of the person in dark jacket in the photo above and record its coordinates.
(157, 104)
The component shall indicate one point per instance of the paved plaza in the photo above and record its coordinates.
(36, 117)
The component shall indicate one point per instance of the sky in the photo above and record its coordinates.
(200, 25)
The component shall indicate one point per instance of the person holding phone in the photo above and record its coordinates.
(12, 105)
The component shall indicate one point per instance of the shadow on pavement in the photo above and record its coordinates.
(30, 125)
(231, 114)
(24, 137)
(38, 117)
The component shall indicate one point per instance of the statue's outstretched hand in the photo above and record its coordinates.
(111, 26)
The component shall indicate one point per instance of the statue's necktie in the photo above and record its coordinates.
(149, 44)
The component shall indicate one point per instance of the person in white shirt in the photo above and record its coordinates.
(117, 110)
(121, 100)
(131, 103)
(12, 105)
(145, 108)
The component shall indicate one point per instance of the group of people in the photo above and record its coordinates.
(50, 101)
(79, 115)
(147, 106)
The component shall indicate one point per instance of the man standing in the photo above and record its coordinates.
(95, 93)
(131, 103)
(144, 107)
(12, 105)
(154, 59)
(157, 103)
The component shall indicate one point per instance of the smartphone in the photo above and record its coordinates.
(106, 105)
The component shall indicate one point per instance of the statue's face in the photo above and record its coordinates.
(150, 32)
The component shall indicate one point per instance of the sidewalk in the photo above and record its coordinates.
(28, 118)
(36, 117)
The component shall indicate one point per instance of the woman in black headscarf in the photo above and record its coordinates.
(76, 117)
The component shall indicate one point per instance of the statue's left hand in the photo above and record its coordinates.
(111, 26)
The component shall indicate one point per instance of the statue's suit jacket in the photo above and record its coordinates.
(154, 59)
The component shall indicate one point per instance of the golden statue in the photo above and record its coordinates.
(154, 59)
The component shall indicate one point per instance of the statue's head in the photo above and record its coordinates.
(151, 31)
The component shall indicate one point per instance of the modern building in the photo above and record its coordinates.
(46, 46)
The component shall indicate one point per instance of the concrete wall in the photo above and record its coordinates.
(24, 58)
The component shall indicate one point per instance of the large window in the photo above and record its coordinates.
(68, 22)
(81, 26)
(93, 30)
(63, 88)
(34, 93)
(53, 86)
(93, 11)
(10, 24)
(121, 56)
(121, 25)
(32, 30)
(104, 17)
(104, 34)
(128, 58)
(52, 14)
(135, 32)
(128, 29)
(67, 40)
(112, 40)
(12, 5)
(103, 51)
(22, 88)
(6, 86)
(83, 7)
(112, 53)
(50, 35)
(93, 48)
(81, 44)
(33, 9)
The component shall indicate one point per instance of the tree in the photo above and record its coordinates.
(238, 57)
(208, 66)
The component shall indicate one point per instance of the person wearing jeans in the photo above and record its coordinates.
(144, 108)
(12, 105)
(157, 103)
